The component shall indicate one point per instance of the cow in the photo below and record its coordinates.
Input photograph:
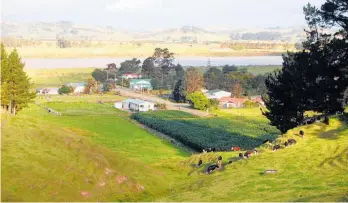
(229, 162)
(211, 168)
(200, 162)
(264, 142)
(241, 156)
(292, 141)
(302, 133)
(235, 148)
(276, 147)
(286, 144)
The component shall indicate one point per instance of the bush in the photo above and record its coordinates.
(250, 104)
(198, 100)
(65, 90)
(214, 104)
(161, 106)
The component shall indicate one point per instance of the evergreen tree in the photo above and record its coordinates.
(15, 83)
(316, 78)
(179, 91)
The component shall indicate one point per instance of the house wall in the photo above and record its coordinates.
(118, 105)
(125, 105)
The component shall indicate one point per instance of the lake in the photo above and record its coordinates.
(184, 61)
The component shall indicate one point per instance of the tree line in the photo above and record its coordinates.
(315, 78)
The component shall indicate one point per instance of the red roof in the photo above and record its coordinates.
(232, 100)
(130, 74)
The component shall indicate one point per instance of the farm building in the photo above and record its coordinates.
(135, 105)
(228, 102)
(217, 94)
(140, 84)
(79, 89)
(48, 91)
(76, 84)
(258, 99)
(130, 76)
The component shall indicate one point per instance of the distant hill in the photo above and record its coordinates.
(191, 34)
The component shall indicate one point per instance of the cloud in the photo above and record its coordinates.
(133, 5)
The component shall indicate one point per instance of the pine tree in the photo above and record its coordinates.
(179, 91)
(16, 90)
(4, 74)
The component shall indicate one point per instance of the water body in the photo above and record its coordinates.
(184, 61)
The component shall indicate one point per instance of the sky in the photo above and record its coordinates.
(160, 14)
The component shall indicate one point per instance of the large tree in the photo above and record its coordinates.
(194, 80)
(15, 84)
(130, 66)
(179, 93)
(315, 78)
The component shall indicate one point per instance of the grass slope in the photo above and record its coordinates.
(51, 158)
(313, 170)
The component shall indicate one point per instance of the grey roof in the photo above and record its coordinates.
(136, 101)
(214, 91)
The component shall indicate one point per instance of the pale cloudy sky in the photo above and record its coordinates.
(160, 14)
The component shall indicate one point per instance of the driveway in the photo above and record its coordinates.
(170, 105)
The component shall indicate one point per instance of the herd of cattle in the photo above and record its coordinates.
(245, 155)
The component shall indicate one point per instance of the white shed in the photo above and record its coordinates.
(79, 89)
(135, 105)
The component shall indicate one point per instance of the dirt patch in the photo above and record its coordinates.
(85, 193)
(121, 179)
(107, 171)
(139, 187)
(102, 184)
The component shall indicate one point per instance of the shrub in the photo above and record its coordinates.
(198, 100)
(65, 90)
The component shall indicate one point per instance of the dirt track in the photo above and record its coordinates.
(170, 105)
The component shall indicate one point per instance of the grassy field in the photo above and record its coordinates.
(57, 77)
(142, 50)
(97, 149)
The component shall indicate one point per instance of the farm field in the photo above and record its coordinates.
(142, 50)
(55, 158)
(59, 76)
(221, 132)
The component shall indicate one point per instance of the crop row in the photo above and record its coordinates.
(197, 135)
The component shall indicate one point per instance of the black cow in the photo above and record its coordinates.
(292, 141)
(212, 168)
(229, 162)
(286, 144)
(276, 147)
(200, 162)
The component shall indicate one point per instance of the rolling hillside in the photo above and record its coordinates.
(96, 153)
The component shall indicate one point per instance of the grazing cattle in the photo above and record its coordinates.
(236, 148)
(213, 150)
(276, 147)
(286, 144)
(302, 133)
(248, 154)
(292, 141)
(200, 162)
(204, 151)
(212, 168)
(241, 156)
(229, 162)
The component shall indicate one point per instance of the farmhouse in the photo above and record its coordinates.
(135, 105)
(48, 91)
(217, 94)
(140, 84)
(228, 102)
(76, 84)
(258, 99)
